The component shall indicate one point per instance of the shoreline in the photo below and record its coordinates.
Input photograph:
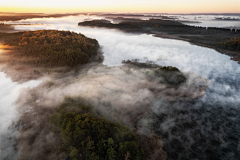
(222, 40)
(222, 51)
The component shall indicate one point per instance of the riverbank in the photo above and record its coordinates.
(234, 55)
(225, 41)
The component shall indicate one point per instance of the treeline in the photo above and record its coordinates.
(86, 135)
(132, 24)
(169, 26)
(21, 16)
(53, 48)
(5, 27)
(171, 75)
(101, 23)
(154, 23)
(233, 44)
(167, 74)
(213, 37)
(169, 69)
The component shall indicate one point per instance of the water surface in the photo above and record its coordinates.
(207, 128)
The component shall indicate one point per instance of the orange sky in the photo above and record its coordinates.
(160, 6)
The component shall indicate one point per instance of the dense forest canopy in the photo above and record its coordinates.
(52, 47)
(168, 74)
(171, 75)
(232, 44)
(86, 135)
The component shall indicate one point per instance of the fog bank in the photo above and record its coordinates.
(8, 114)
(117, 93)
(206, 128)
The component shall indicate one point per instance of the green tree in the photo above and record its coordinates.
(92, 136)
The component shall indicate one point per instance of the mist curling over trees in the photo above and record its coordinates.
(171, 75)
(86, 135)
(53, 48)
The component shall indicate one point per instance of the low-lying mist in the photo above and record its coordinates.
(125, 89)
(204, 128)
(8, 114)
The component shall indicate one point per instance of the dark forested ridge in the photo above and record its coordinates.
(168, 74)
(52, 47)
(133, 24)
(6, 28)
(224, 40)
(232, 44)
(171, 75)
(8, 16)
(86, 135)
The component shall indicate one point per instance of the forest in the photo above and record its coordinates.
(7, 16)
(132, 24)
(166, 74)
(232, 44)
(51, 47)
(5, 28)
(171, 75)
(86, 135)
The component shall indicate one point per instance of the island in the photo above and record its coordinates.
(164, 74)
(40, 52)
(51, 47)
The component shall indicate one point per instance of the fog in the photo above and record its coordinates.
(202, 128)
(125, 89)
(8, 114)
(194, 20)
(210, 21)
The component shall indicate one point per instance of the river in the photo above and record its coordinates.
(207, 128)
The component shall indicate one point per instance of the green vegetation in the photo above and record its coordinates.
(86, 135)
(232, 44)
(138, 23)
(142, 65)
(171, 75)
(169, 69)
(132, 24)
(52, 48)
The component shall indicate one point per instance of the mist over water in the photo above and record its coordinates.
(188, 19)
(8, 114)
(207, 128)
(9, 93)
(210, 21)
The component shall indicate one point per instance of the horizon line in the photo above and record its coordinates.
(123, 12)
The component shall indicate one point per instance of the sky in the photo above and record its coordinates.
(139, 6)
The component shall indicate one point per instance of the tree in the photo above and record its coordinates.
(93, 136)
(111, 154)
